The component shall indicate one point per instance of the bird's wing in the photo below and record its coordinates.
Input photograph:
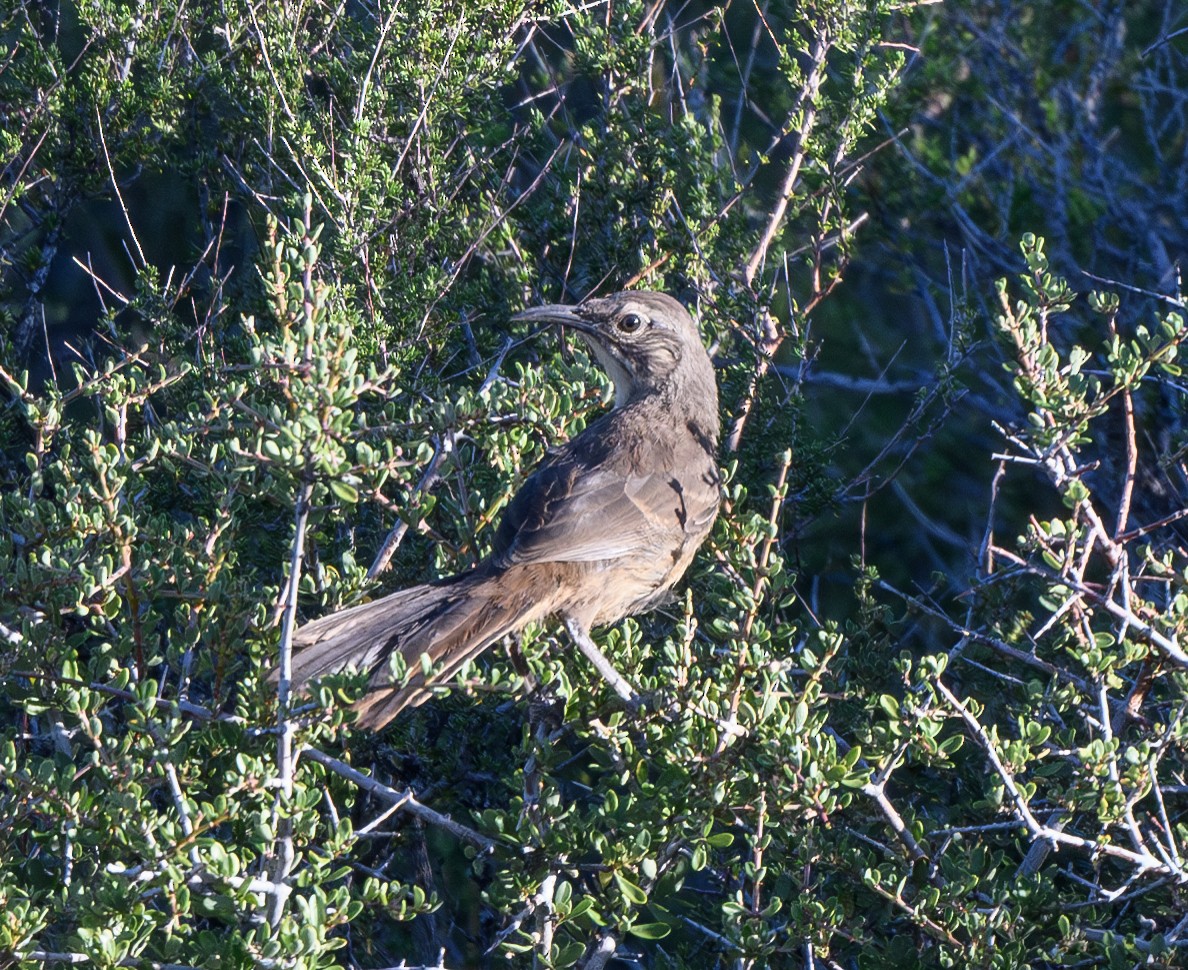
(569, 512)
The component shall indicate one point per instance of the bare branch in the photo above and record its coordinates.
(405, 800)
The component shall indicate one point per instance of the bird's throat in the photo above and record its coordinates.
(615, 370)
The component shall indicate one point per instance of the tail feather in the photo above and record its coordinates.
(450, 622)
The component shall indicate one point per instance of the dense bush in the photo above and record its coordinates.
(924, 690)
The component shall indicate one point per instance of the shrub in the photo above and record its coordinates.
(270, 251)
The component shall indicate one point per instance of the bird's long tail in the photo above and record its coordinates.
(450, 622)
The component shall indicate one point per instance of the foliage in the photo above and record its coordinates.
(270, 249)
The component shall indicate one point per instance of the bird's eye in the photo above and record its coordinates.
(630, 322)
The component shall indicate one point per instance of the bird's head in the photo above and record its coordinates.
(644, 340)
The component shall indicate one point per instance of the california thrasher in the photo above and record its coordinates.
(600, 530)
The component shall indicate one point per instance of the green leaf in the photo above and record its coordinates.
(631, 892)
(650, 931)
(344, 491)
(567, 954)
(800, 716)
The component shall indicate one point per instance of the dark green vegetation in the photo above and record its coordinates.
(922, 699)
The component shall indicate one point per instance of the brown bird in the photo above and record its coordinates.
(603, 527)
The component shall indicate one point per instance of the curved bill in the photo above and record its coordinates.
(556, 314)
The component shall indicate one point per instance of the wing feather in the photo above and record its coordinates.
(567, 514)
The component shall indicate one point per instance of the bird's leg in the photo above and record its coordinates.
(515, 654)
(591, 652)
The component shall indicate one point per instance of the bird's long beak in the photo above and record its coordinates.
(618, 370)
(557, 315)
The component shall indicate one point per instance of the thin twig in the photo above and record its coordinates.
(895, 820)
(1142, 859)
(807, 99)
(282, 855)
(442, 449)
(405, 800)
